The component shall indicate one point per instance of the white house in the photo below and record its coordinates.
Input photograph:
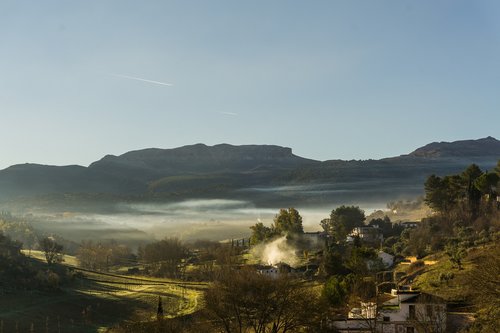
(387, 259)
(410, 224)
(405, 312)
(270, 271)
(370, 234)
(275, 271)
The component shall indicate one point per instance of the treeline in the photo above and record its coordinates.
(168, 257)
(104, 255)
(164, 257)
(463, 196)
(161, 258)
(466, 210)
(286, 222)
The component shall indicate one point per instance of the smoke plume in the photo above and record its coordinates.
(276, 251)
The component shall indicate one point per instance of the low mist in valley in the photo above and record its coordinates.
(138, 223)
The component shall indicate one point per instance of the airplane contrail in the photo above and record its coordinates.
(143, 80)
(228, 113)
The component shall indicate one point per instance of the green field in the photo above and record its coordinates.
(95, 301)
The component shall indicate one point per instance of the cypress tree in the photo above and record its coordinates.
(159, 313)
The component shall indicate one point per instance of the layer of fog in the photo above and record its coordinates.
(189, 220)
(352, 187)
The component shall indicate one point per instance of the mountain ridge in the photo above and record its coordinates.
(480, 147)
(227, 170)
(419, 152)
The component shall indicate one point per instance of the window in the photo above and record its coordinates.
(412, 312)
(410, 330)
(387, 318)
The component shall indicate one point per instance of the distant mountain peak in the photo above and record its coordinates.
(221, 151)
(199, 158)
(488, 146)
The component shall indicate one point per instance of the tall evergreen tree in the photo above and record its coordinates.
(469, 176)
(159, 312)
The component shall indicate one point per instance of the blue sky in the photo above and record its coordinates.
(330, 79)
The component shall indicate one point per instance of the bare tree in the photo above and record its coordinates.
(245, 301)
(101, 256)
(165, 256)
(430, 318)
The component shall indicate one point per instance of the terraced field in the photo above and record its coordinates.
(94, 301)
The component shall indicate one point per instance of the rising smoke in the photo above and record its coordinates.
(276, 251)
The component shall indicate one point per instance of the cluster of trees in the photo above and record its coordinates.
(350, 268)
(340, 290)
(210, 257)
(350, 271)
(245, 301)
(102, 256)
(19, 230)
(342, 221)
(345, 218)
(466, 213)
(164, 257)
(465, 190)
(286, 222)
